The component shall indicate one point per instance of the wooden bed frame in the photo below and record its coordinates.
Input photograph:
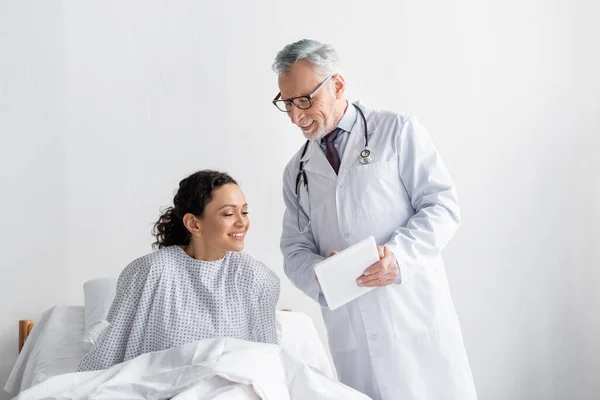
(26, 325)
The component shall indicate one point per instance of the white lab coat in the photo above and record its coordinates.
(402, 341)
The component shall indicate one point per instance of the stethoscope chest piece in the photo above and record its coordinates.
(366, 156)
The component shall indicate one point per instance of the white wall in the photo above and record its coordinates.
(105, 106)
(33, 183)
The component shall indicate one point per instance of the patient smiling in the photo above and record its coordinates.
(197, 285)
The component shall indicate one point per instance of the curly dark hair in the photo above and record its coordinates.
(194, 193)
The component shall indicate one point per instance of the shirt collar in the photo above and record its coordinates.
(348, 119)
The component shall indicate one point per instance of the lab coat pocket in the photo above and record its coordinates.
(339, 330)
(377, 188)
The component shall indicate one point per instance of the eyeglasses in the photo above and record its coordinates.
(302, 102)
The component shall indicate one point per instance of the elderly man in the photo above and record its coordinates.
(366, 172)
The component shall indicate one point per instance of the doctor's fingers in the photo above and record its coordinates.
(381, 265)
(374, 272)
(377, 280)
(381, 251)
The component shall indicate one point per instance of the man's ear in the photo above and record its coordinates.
(340, 86)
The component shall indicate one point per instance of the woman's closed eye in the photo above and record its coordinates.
(231, 215)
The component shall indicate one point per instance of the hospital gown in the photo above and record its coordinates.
(167, 298)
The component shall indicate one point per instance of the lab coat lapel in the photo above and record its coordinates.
(316, 162)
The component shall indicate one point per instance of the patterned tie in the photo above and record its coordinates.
(330, 151)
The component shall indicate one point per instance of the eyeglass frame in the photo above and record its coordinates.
(309, 97)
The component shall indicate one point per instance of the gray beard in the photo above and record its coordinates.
(330, 124)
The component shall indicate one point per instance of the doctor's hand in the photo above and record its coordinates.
(384, 272)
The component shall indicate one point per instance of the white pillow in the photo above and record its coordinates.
(98, 296)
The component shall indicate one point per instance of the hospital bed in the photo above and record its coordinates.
(54, 345)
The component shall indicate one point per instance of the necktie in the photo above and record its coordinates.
(330, 151)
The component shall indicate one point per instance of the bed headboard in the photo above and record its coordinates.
(25, 327)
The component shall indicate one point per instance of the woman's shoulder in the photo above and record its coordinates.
(247, 264)
(153, 262)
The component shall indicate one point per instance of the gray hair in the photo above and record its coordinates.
(322, 56)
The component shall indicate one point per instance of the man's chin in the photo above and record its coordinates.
(310, 135)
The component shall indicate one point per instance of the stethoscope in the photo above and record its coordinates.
(365, 157)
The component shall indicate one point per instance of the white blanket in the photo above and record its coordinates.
(221, 368)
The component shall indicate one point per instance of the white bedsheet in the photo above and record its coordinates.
(299, 336)
(55, 346)
(221, 368)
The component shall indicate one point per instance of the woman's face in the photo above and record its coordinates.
(225, 222)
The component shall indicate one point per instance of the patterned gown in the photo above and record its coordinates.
(167, 298)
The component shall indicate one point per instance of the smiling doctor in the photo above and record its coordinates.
(365, 172)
